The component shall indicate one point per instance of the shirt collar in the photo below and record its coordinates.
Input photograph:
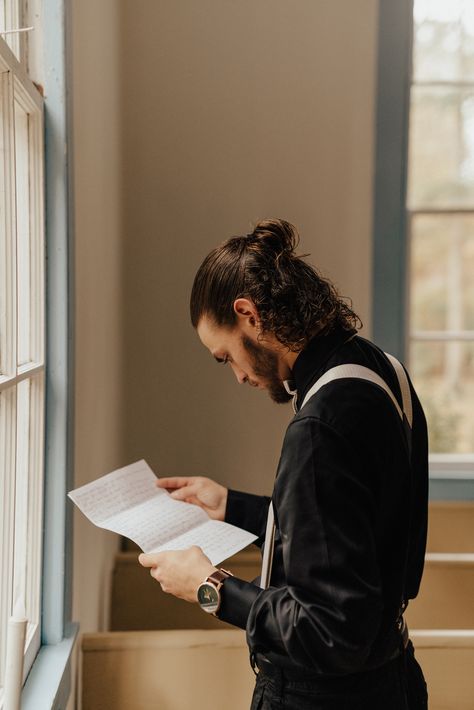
(309, 364)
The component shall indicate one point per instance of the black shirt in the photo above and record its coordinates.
(350, 507)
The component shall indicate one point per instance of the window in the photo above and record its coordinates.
(11, 16)
(441, 224)
(22, 327)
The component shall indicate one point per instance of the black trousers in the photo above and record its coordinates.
(398, 685)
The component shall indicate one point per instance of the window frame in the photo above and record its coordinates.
(451, 476)
(18, 90)
(49, 681)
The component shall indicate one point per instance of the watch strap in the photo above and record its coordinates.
(218, 577)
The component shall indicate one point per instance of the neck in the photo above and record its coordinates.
(287, 361)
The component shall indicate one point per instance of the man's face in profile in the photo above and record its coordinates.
(252, 362)
(266, 366)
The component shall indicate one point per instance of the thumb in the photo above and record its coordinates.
(147, 560)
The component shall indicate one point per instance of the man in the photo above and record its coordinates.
(350, 495)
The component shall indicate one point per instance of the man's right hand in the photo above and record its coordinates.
(209, 495)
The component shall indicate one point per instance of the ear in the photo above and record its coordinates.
(246, 312)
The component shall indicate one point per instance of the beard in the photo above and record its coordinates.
(265, 365)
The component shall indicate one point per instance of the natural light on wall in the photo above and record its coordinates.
(441, 219)
(22, 326)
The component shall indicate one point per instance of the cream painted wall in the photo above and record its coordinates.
(233, 111)
(192, 120)
(98, 252)
(98, 356)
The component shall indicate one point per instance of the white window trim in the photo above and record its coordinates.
(48, 683)
(20, 89)
(452, 466)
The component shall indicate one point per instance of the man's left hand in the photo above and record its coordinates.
(180, 572)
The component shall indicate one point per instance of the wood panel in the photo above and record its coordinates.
(166, 670)
(179, 670)
(447, 659)
(446, 594)
(451, 527)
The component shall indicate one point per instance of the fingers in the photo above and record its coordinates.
(174, 481)
(185, 488)
(150, 560)
(186, 493)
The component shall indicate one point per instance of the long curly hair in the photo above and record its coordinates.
(294, 302)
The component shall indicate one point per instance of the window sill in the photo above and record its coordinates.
(451, 477)
(49, 682)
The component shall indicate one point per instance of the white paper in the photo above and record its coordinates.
(128, 502)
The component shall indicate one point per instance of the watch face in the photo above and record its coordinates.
(208, 597)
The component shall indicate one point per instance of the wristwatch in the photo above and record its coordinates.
(208, 593)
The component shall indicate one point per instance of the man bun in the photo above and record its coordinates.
(277, 235)
(294, 302)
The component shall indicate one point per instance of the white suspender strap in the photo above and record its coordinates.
(404, 388)
(337, 373)
(268, 549)
(352, 371)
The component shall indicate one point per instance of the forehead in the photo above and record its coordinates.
(215, 337)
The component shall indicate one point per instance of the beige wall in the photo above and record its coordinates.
(98, 400)
(233, 111)
(192, 120)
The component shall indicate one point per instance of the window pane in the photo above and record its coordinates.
(5, 358)
(7, 519)
(441, 156)
(35, 501)
(23, 234)
(28, 500)
(443, 374)
(442, 272)
(444, 40)
(8, 307)
(21, 490)
(10, 19)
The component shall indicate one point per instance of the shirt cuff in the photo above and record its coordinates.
(237, 598)
(247, 511)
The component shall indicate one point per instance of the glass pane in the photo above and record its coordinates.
(443, 374)
(35, 499)
(442, 272)
(7, 238)
(444, 40)
(4, 242)
(11, 17)
(23, 234)
(21, 490)
(7, 519)
(441, 156)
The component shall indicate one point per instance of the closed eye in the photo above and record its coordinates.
(221, 360)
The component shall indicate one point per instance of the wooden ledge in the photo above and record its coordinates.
(179, 638)
(230, 639)
(458, 559)
(442, 638)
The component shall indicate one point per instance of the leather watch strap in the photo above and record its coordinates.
(218, 577)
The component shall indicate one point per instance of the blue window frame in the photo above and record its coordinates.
(390, 258)
(48, 684)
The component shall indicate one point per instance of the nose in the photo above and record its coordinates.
(239, 374)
